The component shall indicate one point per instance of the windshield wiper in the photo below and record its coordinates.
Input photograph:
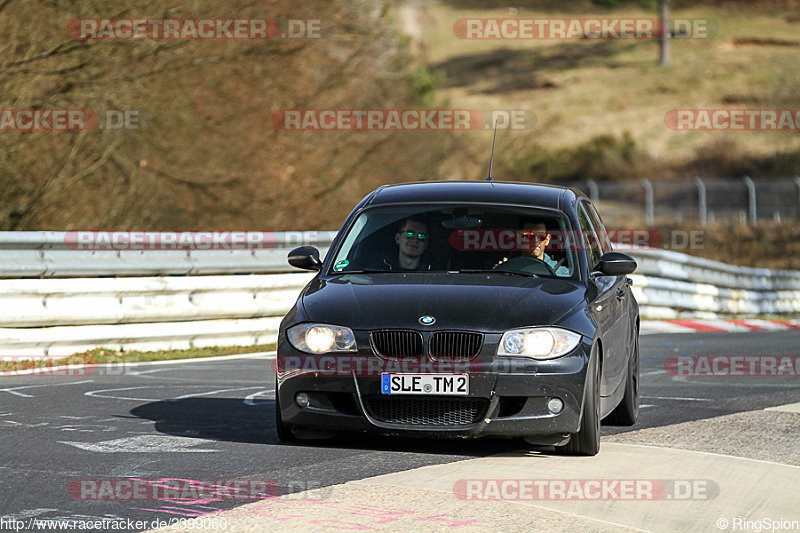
(492, 271)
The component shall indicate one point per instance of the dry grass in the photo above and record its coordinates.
(613, 87)
(101, 356)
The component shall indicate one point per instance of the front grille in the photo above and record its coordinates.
(427, 411)
(397, 343)
(455, 344)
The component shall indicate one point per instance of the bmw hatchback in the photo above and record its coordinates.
(463, 309)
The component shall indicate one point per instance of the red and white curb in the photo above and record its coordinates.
(649, 327)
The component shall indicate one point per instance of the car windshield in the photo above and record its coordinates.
(467, 239)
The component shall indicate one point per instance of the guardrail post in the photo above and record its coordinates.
(797, 182)
(751, 194)
(594, 190)
(701, 198)
(649, 217)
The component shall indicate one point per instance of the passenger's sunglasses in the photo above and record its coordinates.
(411, 235)
(535, 235)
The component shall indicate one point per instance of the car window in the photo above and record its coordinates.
(590, 240)
(600, 228)
(457, 238)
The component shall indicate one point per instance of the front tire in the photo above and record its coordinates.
(626, 413)
(587, 440)
(285, 433)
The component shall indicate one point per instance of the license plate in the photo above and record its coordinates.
(449, 384)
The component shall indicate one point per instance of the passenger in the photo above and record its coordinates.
(539, 238)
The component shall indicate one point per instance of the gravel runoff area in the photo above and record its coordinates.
(762, 435)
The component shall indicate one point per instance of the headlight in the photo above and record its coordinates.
(321, 338)
(539, 343)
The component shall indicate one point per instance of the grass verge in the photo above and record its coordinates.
(104, 356)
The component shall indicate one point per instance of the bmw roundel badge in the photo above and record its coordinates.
(427, 320)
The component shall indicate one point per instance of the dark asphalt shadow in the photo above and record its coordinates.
(230, 420)
(224, 419)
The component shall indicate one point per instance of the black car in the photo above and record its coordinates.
(463, 309)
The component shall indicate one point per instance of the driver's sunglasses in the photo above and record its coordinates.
(419, 236)
(535, 234)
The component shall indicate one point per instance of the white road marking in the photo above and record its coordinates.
(103, 392)
(653, 373)
(144, 444)
(209, 393)
(96, 394)
(12, 389)
(727, 383)
(250, 399)
(183, 371)
(256, 355)
(675, 398)
(40, 424)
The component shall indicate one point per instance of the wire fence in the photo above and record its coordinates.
(696, 200)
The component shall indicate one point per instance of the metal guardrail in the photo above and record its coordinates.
(190, 298)
(669, 284)
(45, 254)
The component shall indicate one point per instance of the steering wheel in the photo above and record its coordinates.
(531, 265)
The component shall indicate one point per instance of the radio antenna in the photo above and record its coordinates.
(491, 159)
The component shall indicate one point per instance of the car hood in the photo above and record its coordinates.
(480, 302)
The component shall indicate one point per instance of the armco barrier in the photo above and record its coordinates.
(55, 300)
(47, 254)
(669, 284)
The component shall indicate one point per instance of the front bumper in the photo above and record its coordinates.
(508, 398)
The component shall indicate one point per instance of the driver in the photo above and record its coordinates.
(536, 233)
(412, 239)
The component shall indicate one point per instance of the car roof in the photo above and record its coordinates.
(484, 191)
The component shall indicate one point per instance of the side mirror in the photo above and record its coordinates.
(615, 264)
(305, 257)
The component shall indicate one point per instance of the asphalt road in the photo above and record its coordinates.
(213, 420)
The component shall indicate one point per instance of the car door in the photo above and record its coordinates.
(624, 293)
(607, 307)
